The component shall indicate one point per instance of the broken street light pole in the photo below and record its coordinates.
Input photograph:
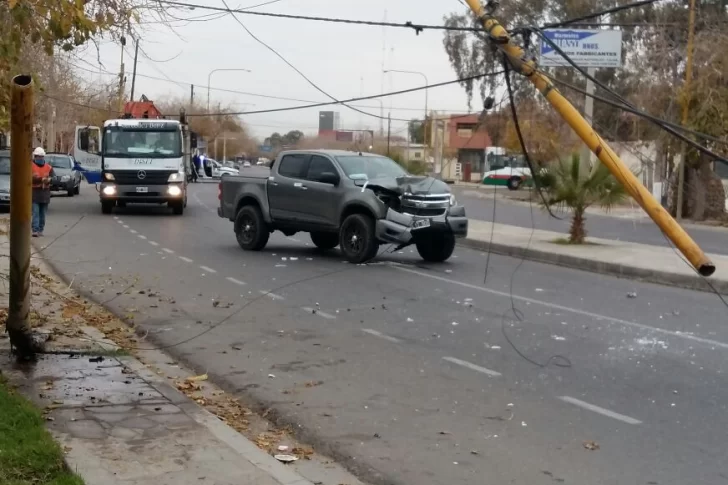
(517, 58)
(21, 133)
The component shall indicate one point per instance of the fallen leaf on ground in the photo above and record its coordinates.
(591, 445)
(201, 377)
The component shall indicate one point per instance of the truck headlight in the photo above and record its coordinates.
(109, 176)
(109, 190)
(453, 201)
(176, 177)
(174, 191)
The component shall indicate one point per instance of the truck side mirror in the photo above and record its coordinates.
(329, 178)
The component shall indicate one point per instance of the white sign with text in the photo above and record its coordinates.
(587, 48)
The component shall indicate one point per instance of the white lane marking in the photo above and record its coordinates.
(154, 243)
(576, 311)
(208, 269)
(236, 281)
(141, 236)
(116, 217)
(186, 260)
(205, 206)
(312, 311)
(380, 335)
(272, 295)
(600, 410)
(125, 226)
(470, 366)
(167, 250)
(132, 231)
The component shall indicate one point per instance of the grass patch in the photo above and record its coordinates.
(28, 453)
(565, 242)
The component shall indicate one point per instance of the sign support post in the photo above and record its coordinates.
(585, 160)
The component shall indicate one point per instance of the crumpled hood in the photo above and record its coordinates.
(60, 172)
(411, 184)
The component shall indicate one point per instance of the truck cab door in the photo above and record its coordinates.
(285, 193)
(87, 152)
(322, 192)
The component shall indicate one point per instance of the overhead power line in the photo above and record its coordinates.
(314, 105)
(620, 8)
(407, 25)
(186, 85)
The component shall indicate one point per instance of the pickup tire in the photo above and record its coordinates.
(357, 238)
(251, 230)
(437, 247)
(325, 240)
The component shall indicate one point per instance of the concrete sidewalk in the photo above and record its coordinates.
(629, 260)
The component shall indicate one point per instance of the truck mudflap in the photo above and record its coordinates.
(401, 228)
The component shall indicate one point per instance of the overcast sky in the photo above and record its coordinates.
(344, 60)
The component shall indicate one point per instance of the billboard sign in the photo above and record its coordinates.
(588, 48)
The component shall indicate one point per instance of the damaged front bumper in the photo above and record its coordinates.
(402, 229)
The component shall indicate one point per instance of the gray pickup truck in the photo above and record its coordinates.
(357, 201)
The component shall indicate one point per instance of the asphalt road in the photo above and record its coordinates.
(479, 204)
(415, 374)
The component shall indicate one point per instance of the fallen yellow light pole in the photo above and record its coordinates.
(596, 144)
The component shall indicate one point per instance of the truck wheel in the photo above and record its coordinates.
(71, 192)
(325, 240)
(357, 238)
(514, 183)
(437, 247)
(107, 206)
(250, 229)
(178, 208)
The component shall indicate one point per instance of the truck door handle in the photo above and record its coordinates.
(274, 184)
(299, 185)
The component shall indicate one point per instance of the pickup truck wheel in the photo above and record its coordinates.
(325, 240)
(437, 247)
(250, 229)
(357, 239)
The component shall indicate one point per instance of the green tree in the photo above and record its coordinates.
(566, 186)
(417, 131)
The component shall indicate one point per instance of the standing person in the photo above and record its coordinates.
(42, 174)
(195, 164)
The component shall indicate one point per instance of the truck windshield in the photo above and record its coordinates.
(134, 143)
(355, 166)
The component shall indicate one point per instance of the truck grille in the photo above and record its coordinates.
(151, 177)
(429, 205)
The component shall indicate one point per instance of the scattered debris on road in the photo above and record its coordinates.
(632, 295)
(285, 458)
(591, 445)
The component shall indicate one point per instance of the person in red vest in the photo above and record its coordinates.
(42, 174)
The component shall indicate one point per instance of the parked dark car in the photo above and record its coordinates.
(357, 201)
(68, 178)
(4, 180)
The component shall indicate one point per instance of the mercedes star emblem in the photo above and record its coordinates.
(141, 174)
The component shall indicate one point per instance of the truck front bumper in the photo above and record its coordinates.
(142, 193)
(401, 228)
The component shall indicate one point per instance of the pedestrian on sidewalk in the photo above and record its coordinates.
(42, 174)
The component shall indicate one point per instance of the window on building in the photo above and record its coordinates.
(465, 129)
(418, 154)
(721, 168)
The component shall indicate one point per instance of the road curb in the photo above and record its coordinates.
(666, 278)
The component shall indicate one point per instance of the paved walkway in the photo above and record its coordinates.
(639, 261)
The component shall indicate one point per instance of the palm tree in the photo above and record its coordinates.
(565, 185)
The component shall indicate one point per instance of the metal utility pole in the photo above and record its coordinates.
(209, 77)
(192, 94)
(685, 111)
(21, 176)
(522, 65)
(389, 130)
(586, 154)
(427, 83)
(133, 74)
(121, 76)
(51, 114)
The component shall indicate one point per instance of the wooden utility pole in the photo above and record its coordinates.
(21, 180)
(685, 111)
(526, 67)
(389, 130)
